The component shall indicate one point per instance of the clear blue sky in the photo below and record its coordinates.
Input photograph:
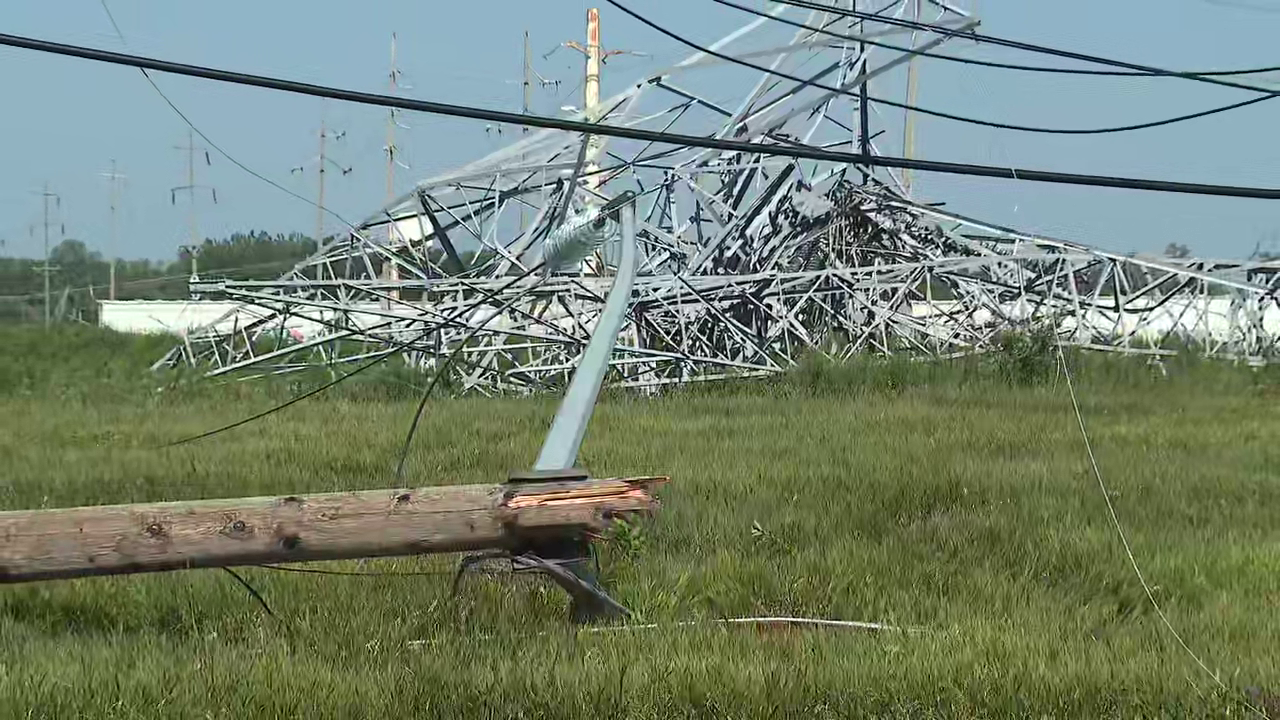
(64, 120)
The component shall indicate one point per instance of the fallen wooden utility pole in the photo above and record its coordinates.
(115, 539)
(542, 520)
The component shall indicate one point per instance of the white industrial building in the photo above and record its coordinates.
(1215, 319)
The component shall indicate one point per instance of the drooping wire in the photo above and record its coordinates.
(925, 111)
(252, 590)
(153, 280)
(792, 150)
(973, 36)
(1124, 539)
(296, 399)
(1072, 131)
(354, 573)
(444, 369)
(217, 148)
(769, 620)
(991, 63)
(341, 378)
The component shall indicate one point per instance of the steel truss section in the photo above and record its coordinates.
(746, 262)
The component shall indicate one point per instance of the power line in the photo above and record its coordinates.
(295, 399)
(357, 573)
(1019, 45)
(217, 148)
(426, 394)
(1115, 521)
(1072, 131)
(630, 133)
(252, 590)
(376, 360)
(936, 113)
(154, 280)
(991, 63)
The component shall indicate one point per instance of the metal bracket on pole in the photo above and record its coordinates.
(567, 562)
(560, 449)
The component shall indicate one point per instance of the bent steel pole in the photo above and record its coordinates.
(560, 449)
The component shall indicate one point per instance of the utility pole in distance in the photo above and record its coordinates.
(322, 160)
(392, 271)
(864, 116)
(909, 120)
(524, 108)
(191, 186)
(393, 122)
(524, 105)
(114, 179)
(526, 84)
(46, 268)
(320, 198)
(595, 56)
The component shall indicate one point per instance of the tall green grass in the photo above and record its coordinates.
(952, 497)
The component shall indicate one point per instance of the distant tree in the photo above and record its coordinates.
(84, 274)
(254, 255)
(1177, 250)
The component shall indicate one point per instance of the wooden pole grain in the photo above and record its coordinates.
(153, 537)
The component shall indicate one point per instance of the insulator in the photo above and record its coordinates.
(576, 239)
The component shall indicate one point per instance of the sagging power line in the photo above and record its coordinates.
(912, 107)
(991, 63)
(216, 147)
(1020, 45)
(517, 119)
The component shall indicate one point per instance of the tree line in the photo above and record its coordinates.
(80, 277)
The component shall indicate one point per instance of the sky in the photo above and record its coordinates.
(63, 121)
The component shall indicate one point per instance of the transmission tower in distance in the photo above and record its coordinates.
(191, 188)
(115, 179)
(322, 161)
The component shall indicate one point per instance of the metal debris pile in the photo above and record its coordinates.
(747, 261)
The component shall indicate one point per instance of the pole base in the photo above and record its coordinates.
(568, 563)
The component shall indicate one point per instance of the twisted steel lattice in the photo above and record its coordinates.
(745, 261)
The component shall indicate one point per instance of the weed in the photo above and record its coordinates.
(1026, 356)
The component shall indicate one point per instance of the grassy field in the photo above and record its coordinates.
(957, 499)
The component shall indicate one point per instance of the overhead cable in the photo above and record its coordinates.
(798, 151)
(1124, 539)
(991, 63)
(935, 113)
(217, 148)
(1019, 45)
(153, 280)
(397, 347)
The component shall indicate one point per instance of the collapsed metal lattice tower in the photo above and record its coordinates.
(747, 261)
